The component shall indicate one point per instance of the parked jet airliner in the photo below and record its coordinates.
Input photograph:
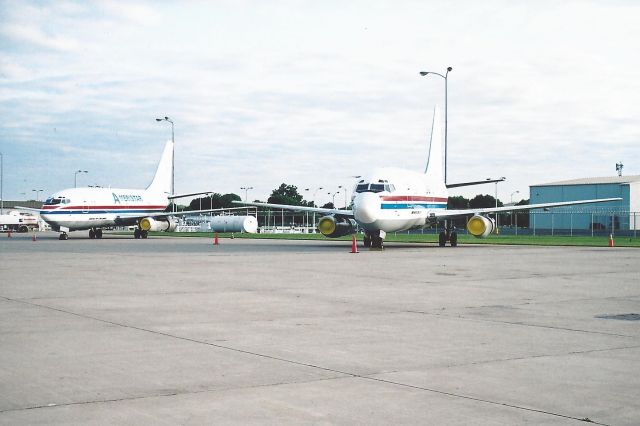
(96, 208)
(392, 199)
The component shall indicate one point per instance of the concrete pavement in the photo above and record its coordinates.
(178, 331)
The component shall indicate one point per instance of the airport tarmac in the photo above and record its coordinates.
(179, 331)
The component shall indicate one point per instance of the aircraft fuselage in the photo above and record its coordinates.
(87, 208)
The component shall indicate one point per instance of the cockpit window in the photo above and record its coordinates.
(381, 186)
(362, 187)
(376, 187)
(56, 200)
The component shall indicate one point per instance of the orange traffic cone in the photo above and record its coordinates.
(610, 240)
(215, 239)
(34, 238)
(9, 233)
(354, 246)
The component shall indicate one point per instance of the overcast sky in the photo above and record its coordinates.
(311, 93)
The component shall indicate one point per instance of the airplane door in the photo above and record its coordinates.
(85, 206)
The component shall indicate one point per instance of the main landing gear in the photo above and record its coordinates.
(374, 240)
(63, 236)
(139, 233)
(449, 234)
(95, 233)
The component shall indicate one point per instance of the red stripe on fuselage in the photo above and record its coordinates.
(412, 198)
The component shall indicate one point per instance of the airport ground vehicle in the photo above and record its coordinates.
(16, 221)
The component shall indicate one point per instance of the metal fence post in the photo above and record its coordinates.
(571, 224)
(591, 224)
(534, 223)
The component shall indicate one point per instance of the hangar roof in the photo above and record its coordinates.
(594, 181)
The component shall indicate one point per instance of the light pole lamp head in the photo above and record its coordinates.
(158, 119)
(449, 69)
(423, 73)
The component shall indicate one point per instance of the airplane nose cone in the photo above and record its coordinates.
(366, 207)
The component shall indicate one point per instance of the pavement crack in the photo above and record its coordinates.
(343, 374)
(518, 323)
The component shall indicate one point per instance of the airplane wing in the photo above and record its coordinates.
(164, 214)
(347, 213)
(465, 212)
(29, 209)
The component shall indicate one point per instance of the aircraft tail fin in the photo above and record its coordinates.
(435, 160)
(162, 180)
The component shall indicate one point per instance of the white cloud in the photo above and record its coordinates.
(311, 93)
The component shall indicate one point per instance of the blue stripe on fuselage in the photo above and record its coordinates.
(399, 206)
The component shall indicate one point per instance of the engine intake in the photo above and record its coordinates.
(167, 224)
(481, 226)
(333, 227)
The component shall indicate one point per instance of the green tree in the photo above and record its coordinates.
(226, 200)
(214, 201)
(286, 194)
(483, 201)
(458, 202)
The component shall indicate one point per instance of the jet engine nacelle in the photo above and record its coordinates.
(333, 227)
(481, 226)
(167, 224)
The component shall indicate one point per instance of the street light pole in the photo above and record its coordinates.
(246, 189)
(345, 195)
(445, 76)
(75, 177)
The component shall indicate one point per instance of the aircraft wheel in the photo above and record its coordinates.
(376, 242)
(442, 239)
(98, 233)
(137, 233)
(367, 240)
(144, 234)
(92, 234)
(454, 239)
(63, 236)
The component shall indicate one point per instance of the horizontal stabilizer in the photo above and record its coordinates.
(478, 182)
(171, 197)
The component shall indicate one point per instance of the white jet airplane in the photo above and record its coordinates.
(76, 209)
(392, 199)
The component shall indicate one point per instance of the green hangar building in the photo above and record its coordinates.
(621, 217)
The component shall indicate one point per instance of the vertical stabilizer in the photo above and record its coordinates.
(162, 180)
(435, 162)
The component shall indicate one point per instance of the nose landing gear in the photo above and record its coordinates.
(374, 240)
(139, 233)
(95, 233)
(450, 235)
